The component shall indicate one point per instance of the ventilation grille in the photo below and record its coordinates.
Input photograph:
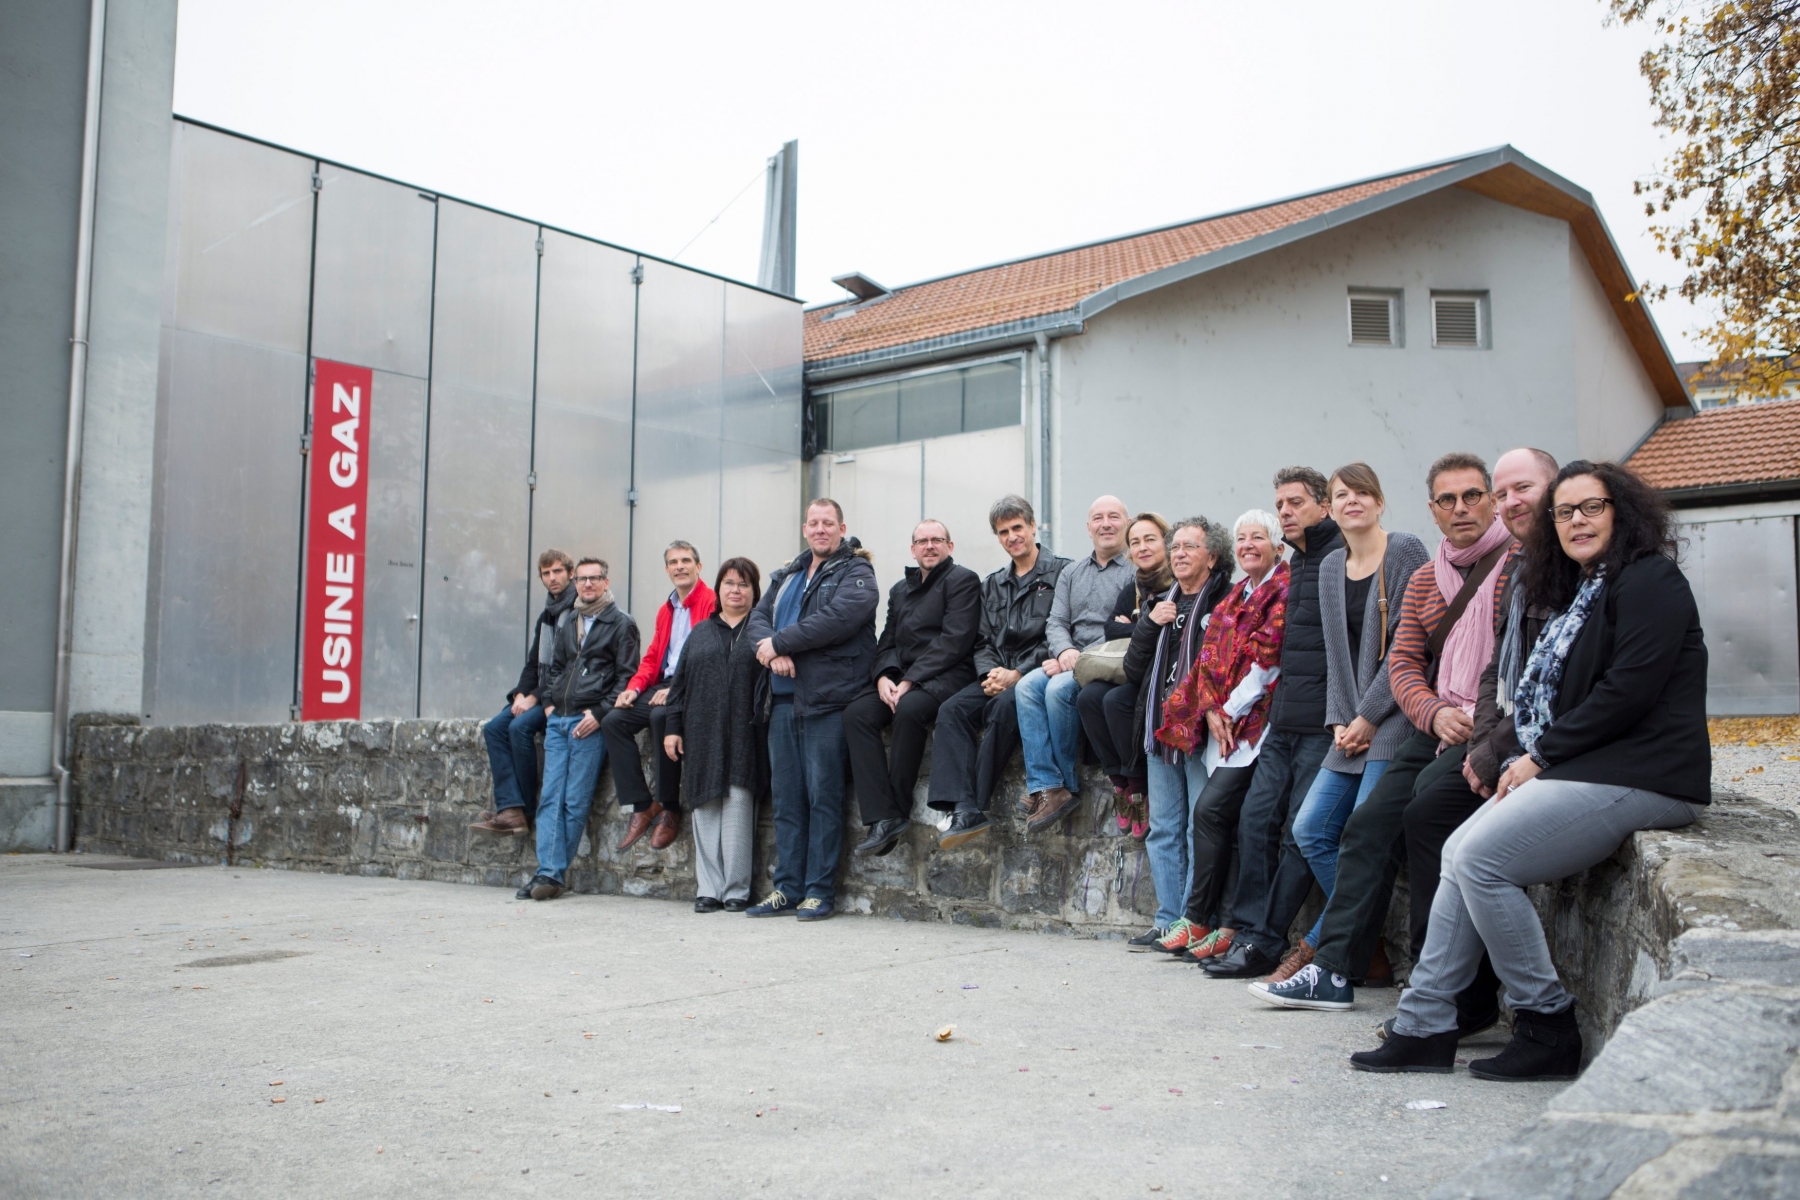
(1455, 321)
(1371, 321)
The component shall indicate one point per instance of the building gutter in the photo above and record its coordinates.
(1043, 357)
(78, 360)
(958, 345)
(1732, 493)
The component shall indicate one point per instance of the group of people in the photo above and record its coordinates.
(1302, 698)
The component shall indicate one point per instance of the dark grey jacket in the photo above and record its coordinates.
(1013, 617)
(929, 638)
(1364, 691)
(590, 676)
(833, 642)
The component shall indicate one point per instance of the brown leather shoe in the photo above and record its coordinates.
(640, 825)
(1057, 803)
(668, 826)
(1296, 958)
(509, 821)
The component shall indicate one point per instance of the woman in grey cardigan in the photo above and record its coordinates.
(1359, 600)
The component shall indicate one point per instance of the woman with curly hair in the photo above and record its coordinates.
(1610, 711)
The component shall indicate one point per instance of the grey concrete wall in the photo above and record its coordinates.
(43, 89)
(132, 197)
(1616, 406)
(1190, 397)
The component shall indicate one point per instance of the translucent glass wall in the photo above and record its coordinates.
(526, 385)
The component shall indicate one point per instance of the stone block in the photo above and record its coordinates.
(220, 778)
(302, 785)
(107, 743)
(159, 743)
(447, 838)
(1569, 1160)
(896, 870)
(213, 741)
(347, 783)
(369, 737)
(400, 833)
(267, 741)
(1765, 956)
(489, 850)
(1032, 880)
(1747, 1177)
(188, 784)
(1651, 1065)
(414, 737)
(981, 918)
(964, 874)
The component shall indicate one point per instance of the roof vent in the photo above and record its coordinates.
(1458, 321)
(860, 286)
(1373, 318)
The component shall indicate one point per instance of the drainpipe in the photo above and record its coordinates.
(78, 360)
(1043, 356)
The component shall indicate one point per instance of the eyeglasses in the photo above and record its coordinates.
(1470, 499)
(931, 541)
(1562, 514)
(590, 579)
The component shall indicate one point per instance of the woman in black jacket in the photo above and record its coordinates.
(1610, 712)
(714, 730)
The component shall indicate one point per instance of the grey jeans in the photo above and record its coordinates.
(1546, 830)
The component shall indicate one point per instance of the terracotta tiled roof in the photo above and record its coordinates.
(1054, 283)
(1744, 443)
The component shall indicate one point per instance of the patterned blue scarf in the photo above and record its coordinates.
(1536, 697)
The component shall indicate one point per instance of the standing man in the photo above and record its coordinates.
(511, 735)
(596, 644)
(1444, 640)
(1273, 877)
(925, 656)
(1015, 611)
(815, 631)
(642, 701)
(1049, 723)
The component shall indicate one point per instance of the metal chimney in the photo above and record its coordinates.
(776, 271)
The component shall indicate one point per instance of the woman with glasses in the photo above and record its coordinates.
(1359, 602)
(1610, 711)
(714, 730)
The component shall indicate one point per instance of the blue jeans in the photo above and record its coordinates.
(1173, 790)
(1319, 825)
(806, 779)
(571, 769)
(512, 757)
(1050, 727)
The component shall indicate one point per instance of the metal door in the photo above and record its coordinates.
(1743, 575)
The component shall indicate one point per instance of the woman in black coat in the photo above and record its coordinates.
(1610, 712)
(713, 729)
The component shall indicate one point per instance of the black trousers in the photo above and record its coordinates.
(885, 777)
(966, 767)
(1438, 806)
(1212, 840)
(620, 727)
(1106, 717)
(1274, 879)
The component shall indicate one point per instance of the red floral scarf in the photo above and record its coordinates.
(1245, 632)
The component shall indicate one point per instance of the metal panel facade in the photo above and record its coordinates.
(477, 560)
(1743, 575)
(964, 475)
(759, 468)
(582, 456)
(390, 672)
(680, 414)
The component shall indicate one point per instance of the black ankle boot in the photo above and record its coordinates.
(1544, 1046)
(1434, 1054)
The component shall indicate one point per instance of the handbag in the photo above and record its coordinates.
(1104, 663)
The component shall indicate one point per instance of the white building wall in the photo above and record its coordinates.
(1187, 399)
(1616, 406)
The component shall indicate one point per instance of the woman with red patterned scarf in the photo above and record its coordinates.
(1223, 705)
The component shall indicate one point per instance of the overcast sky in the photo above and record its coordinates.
(933, 137)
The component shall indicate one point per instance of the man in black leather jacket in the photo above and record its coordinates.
(1015, 606)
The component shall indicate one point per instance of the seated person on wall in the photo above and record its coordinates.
(815, 630)
(642, 703)
(716, 730)
(596, 645)
(925, 656)
(1015, 608)
(1049, 722)
(1610, 713)
(511, 735)
(1444, 640)
(1163, 648)
(1106, 707)
(1219, 714)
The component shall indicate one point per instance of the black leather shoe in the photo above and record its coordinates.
(706, 904)
(883, 836)
(1146, 940)
(1434, 1055)
(1242, 961)
(524, 893)
(1544, 1046)
(963, 826)
(736, 905)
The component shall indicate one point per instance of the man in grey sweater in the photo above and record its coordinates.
(1049, 723)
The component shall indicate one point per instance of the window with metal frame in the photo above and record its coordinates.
(1459, 320)
(926, 405)
(1374, 317)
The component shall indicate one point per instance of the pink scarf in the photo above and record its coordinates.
(1471, 642)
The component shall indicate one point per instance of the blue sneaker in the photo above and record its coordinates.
(1310, 987)
(814, 909)
(775, 904)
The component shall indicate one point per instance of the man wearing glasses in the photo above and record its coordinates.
(926, 655)
(1443, 643)
(596, 649)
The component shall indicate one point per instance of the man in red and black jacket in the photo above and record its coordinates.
(641, 704)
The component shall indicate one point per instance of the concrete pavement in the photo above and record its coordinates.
(447, 1040)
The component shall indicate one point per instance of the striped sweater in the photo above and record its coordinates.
(1409, 665)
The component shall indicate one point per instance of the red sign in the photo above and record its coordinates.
(336, 521)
